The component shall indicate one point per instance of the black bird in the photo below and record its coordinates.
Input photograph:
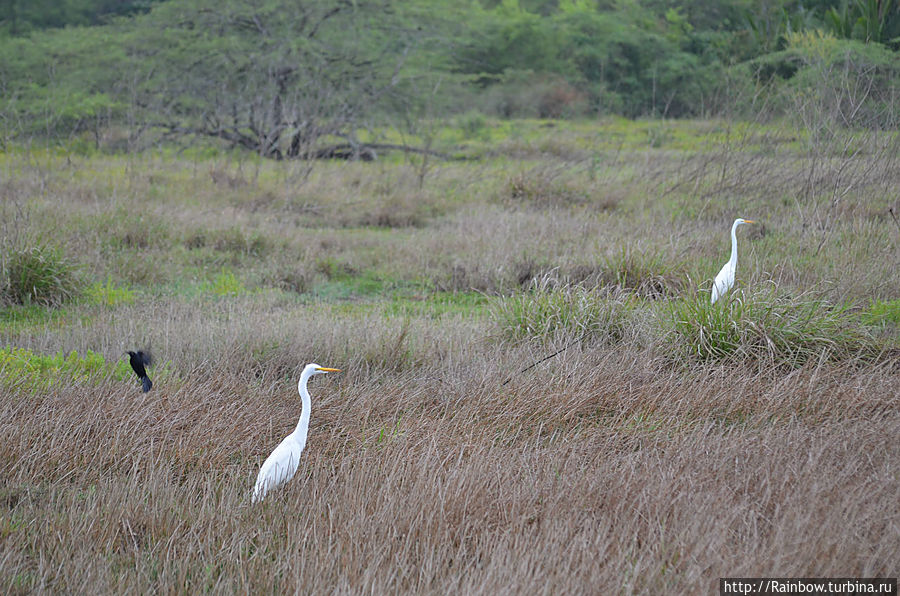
(138, 360)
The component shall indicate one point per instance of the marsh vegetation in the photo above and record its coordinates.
(670, 443)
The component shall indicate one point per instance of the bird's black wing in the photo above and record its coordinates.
(138, 360)
(146, 358)
(137, 363)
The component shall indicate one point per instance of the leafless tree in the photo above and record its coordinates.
(276, 77)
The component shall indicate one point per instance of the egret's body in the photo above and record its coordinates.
(725, 279)
(282, 464)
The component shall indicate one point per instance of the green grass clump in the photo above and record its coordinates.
(574, 310)
(23, 368)
(40, 275)
(763, 327)
(109, 294)
(648, 274)
(437, 304)
(883, 313)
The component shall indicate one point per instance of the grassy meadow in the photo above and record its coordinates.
(667, 444)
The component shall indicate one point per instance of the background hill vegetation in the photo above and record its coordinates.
(280, 78)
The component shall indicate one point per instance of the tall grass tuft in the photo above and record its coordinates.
(549, 309)
(40, 275)
(648, 274)
(767, 328)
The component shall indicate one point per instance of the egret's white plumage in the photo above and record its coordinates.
(725, 279)
(282, 464)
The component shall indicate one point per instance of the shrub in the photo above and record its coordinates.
(289, 277)
(40, 275)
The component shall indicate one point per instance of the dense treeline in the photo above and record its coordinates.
(278, 76)
(20, 17)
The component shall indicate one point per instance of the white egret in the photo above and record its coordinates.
(282, 464)
(725, 279)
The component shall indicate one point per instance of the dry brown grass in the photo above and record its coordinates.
(612, 468)
(599, 472)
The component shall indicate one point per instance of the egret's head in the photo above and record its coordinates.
(315, 369)
(740, 221)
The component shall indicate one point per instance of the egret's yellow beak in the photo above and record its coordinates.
(749, 221)
(323, 369)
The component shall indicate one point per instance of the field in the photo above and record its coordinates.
(668, 442)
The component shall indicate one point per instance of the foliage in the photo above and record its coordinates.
(844, 83)
(19, 17)
(67, 81)
(40, 275)
(866, 20)
(612, 62)
(283, 81)
(832, 84)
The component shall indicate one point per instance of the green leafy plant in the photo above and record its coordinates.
(227, 283)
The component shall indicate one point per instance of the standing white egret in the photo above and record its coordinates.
(282, 464)
(725, 279)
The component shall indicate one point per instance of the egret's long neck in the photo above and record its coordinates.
(303, 424)
(733, 260)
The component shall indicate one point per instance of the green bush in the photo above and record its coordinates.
(41, 275)
(764, 327)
